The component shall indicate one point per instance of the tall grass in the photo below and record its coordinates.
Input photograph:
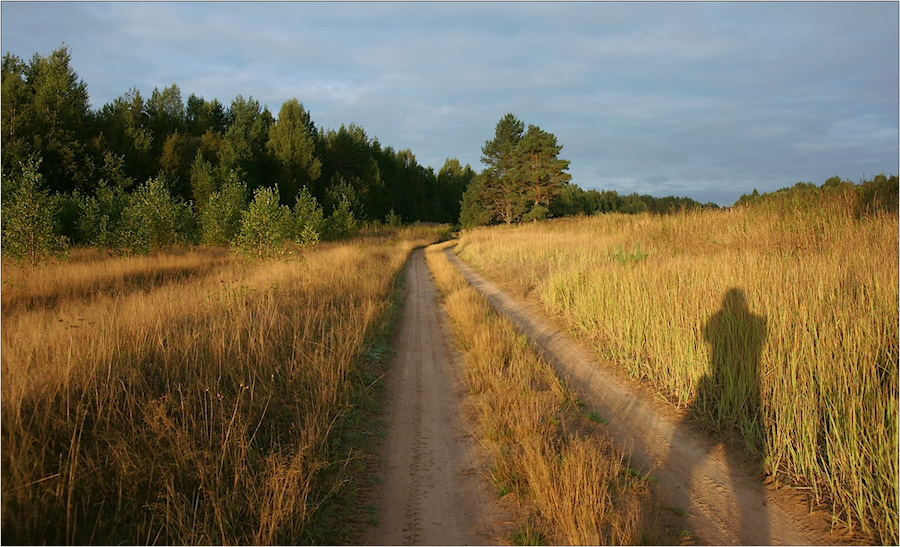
(822, 408)
(541, 445)
(197, 410)
(91, 274)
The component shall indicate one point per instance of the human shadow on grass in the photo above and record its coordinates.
(728, 399)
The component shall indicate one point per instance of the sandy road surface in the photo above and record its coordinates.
(727, 503)
(434, 491)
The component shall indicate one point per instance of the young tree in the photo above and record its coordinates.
(342, 223)
(153, 218)
(220, 216)
(308, 221)
(28, 226)
(203, 181)
(101, 222)
(265, 225)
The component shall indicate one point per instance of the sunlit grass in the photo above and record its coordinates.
(824, 282)
(192, 409)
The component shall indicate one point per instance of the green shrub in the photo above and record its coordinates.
(342, 223)
(28, 222)
(879, 195)
(102, 217)
(308, 221)
(154, 219)
(265, 225)
(220, 217)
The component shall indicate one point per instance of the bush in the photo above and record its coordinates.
(102, 217)
(220, 218)
(154, 219)
(342, 223)
(880, 194)
(308, 222)
(265, 225)
(393, 219)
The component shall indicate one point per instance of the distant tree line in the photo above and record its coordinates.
(879, 194)
(139, 172)
(573, 200)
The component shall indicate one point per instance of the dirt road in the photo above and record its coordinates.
(433, 490)
(725, 500)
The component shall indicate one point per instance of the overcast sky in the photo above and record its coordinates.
(707, 100)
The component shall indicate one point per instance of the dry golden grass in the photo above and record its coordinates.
(541, 445)
(91, 274)
(194, 410)
(817, 399)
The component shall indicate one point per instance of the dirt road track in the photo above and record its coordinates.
(433, 490)
(725, 500)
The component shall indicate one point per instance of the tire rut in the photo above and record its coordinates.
(429, 494)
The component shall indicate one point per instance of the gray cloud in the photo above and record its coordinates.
(709, 100)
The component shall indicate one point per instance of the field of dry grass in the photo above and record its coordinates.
(185, 398)
(543, 446)
(776, 324)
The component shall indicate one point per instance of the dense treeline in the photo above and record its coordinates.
(96, 169)
(574, 200)
(881, 193)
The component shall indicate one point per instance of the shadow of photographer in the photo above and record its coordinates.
(728, 398)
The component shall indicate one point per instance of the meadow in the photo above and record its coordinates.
(187, 397)
(775, 323)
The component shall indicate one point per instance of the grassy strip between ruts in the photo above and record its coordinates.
(543, 445)
(202, 410)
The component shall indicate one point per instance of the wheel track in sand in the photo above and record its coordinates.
(432, 492)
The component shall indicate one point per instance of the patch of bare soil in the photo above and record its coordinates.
(718, 491)
(432, 488)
